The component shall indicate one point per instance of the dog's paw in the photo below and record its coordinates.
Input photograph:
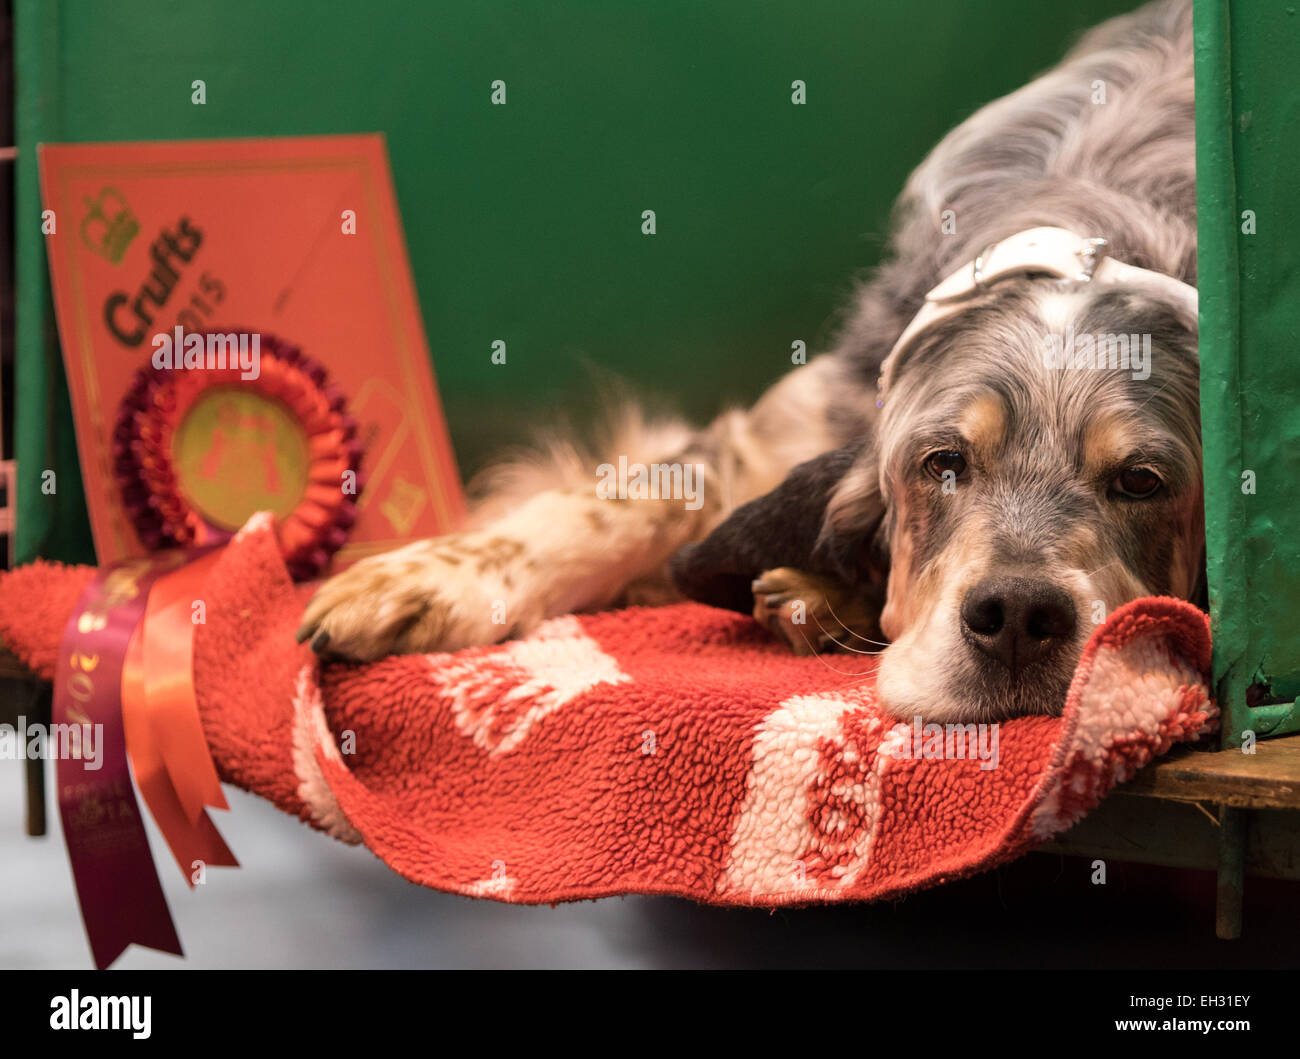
(812, 614)
(434, 595)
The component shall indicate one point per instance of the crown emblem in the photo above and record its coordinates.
(109, 225)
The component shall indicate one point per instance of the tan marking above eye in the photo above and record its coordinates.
(1106, 443)
(984, 424)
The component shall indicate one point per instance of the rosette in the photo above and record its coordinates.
(198, 449)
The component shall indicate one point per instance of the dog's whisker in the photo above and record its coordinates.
(859, 676)
(859, 636)
(1103, 566)
(840, 644)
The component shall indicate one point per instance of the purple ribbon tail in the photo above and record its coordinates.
(118, 889)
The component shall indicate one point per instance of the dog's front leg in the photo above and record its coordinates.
(556, 553)
(569, 545)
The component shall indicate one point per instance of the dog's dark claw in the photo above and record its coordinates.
(320, 641)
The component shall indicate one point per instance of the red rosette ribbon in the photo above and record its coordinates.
(164, 465)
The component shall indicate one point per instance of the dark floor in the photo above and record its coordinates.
(302, 900)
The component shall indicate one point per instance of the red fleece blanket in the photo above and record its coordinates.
(675, 750)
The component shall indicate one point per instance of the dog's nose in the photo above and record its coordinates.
(1017, 620)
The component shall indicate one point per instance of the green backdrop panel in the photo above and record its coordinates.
(524, 220)
(1248, 147)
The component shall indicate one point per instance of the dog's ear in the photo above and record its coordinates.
(824, 518)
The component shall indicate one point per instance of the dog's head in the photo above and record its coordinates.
(1037, 464)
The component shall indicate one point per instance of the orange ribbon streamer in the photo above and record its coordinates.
(168, 653)
(164, 734)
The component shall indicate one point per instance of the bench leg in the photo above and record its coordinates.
(31, 699)
(1232, 872)
(35, 797)
(42, 712)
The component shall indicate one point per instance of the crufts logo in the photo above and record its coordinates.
(77, 1012)
(109, 225)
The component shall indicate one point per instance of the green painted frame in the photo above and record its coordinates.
(1248, 264)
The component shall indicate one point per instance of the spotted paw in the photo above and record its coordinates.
(435, 595)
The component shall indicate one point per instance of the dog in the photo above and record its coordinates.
(1002, 446)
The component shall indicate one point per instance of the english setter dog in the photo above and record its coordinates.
(1002, 447)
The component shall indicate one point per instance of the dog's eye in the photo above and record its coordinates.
(1136, 482)
(937, 464)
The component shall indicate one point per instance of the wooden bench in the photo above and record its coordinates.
(1222, 810)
